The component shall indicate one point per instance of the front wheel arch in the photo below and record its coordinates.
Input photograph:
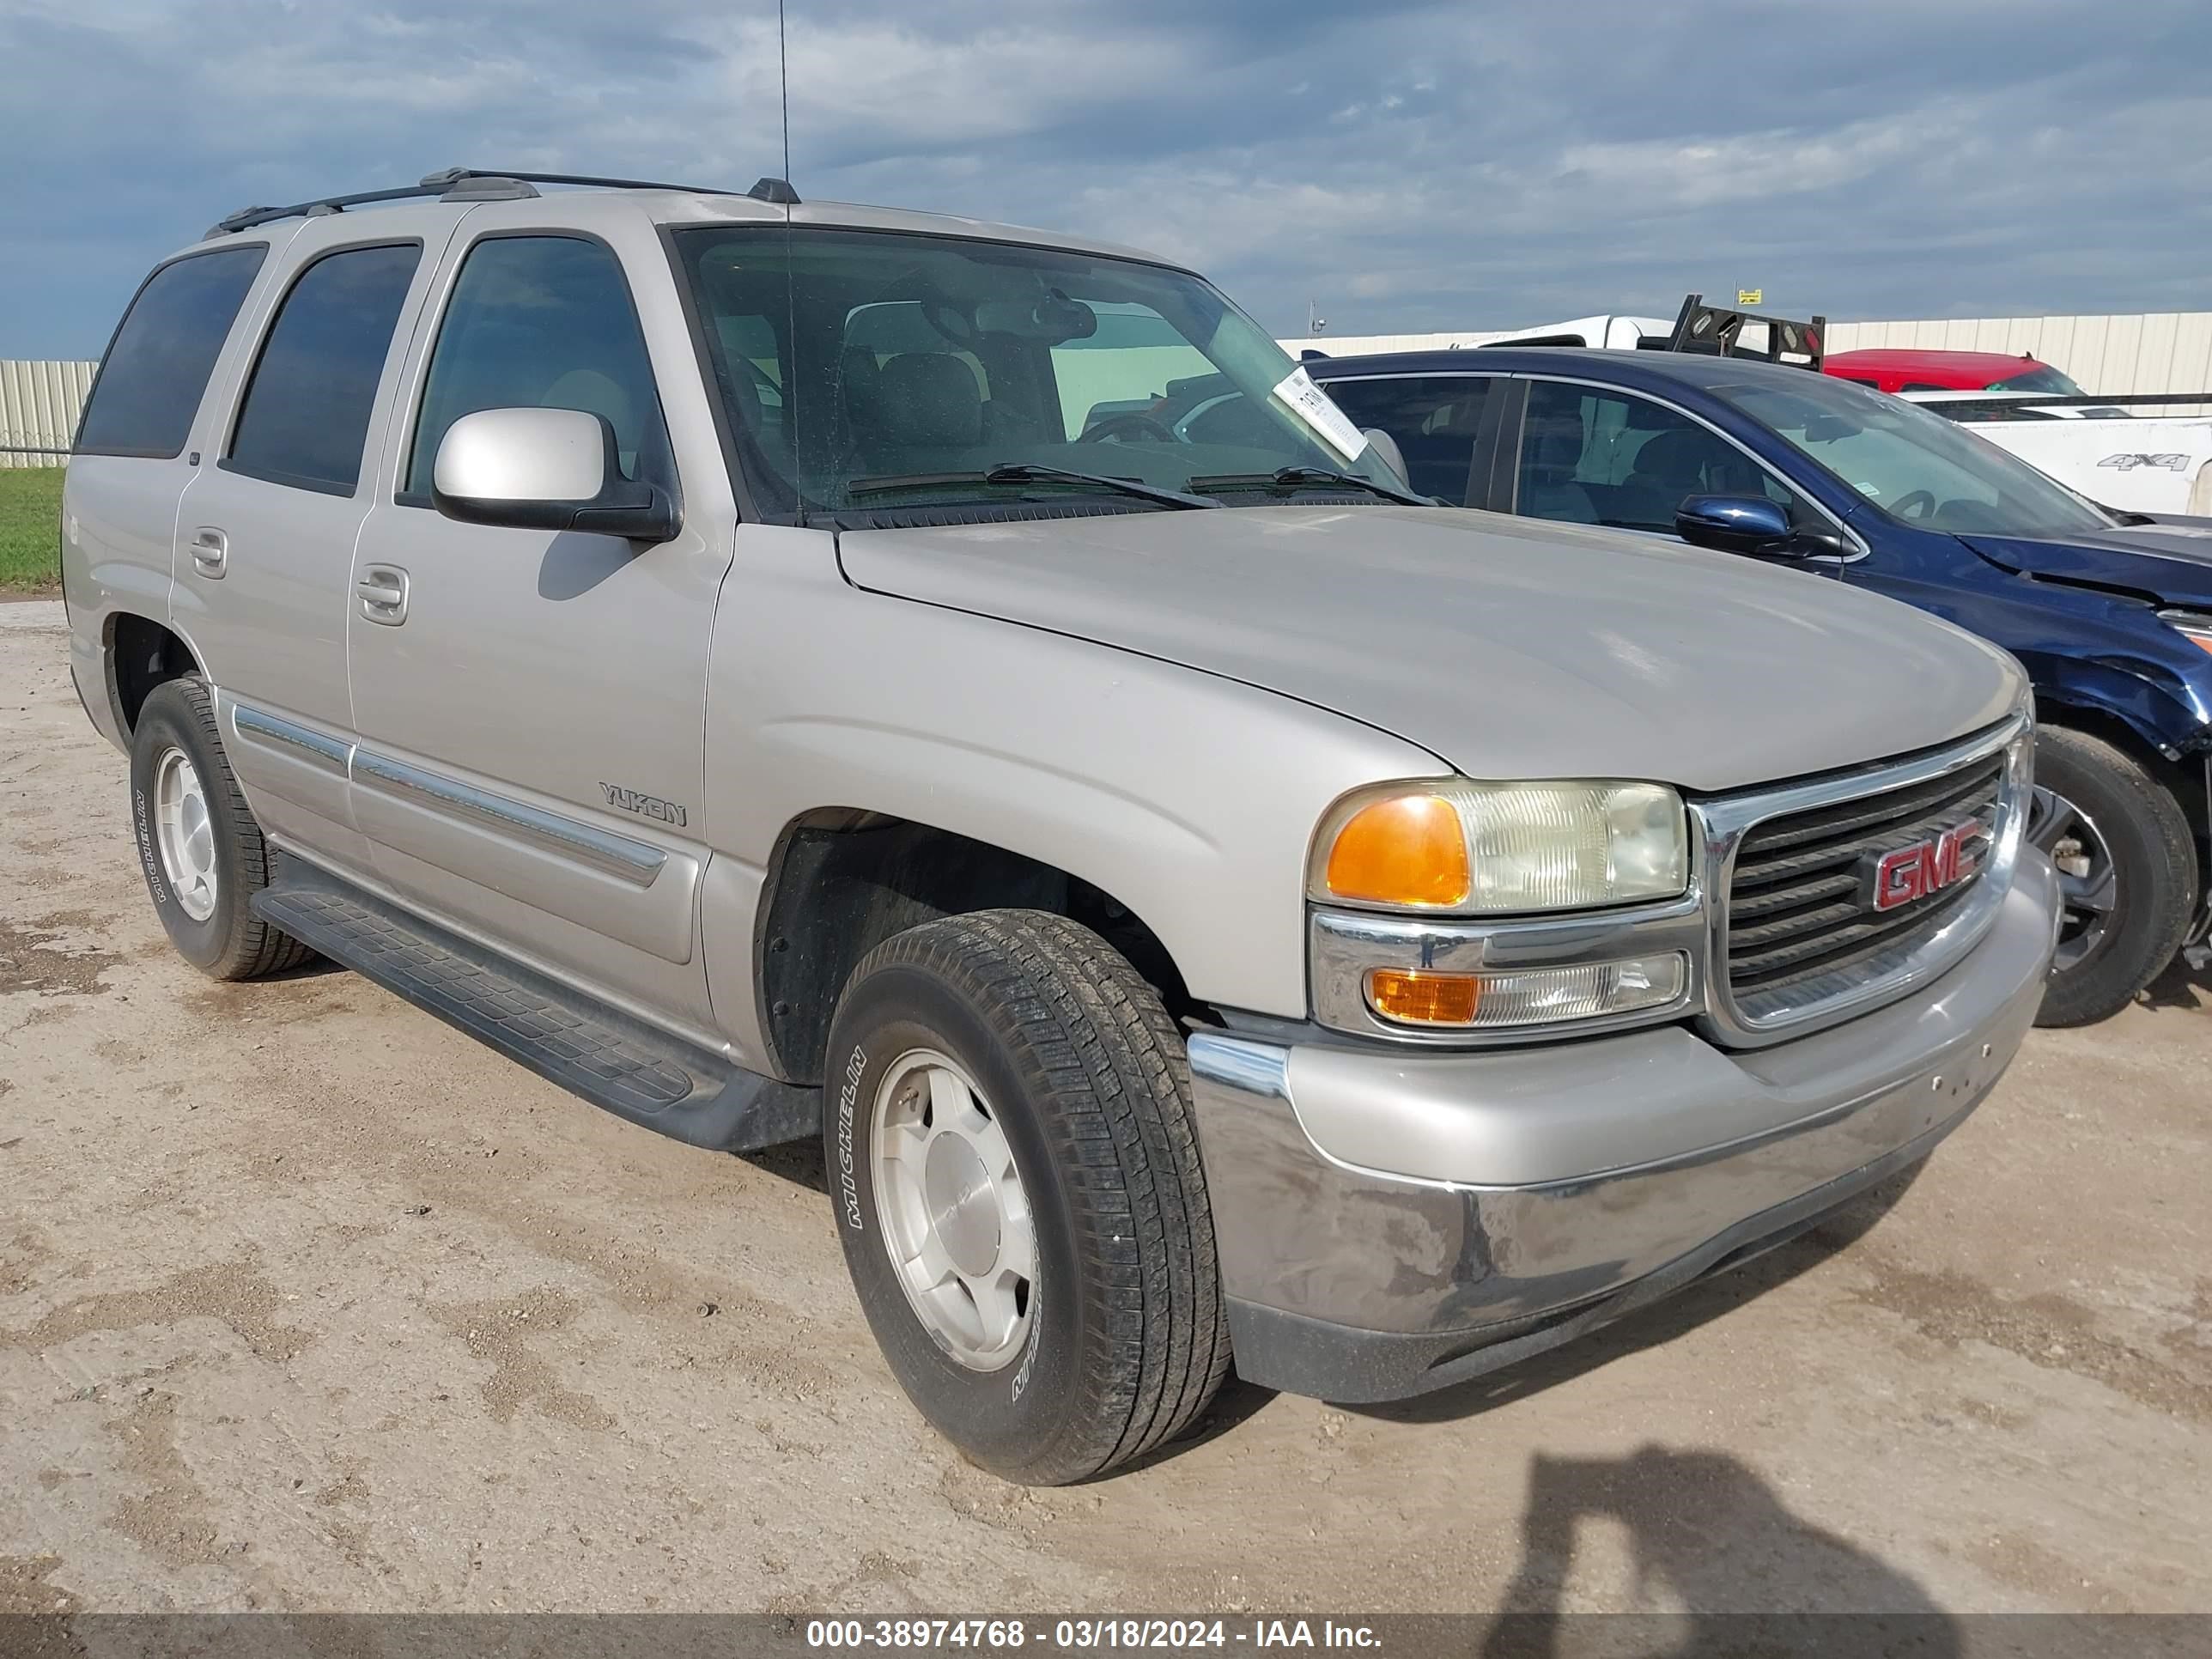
(843, 880)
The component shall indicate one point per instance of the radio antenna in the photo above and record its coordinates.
(783, 86)
(790, 388)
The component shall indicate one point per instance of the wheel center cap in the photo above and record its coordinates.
(963, 1208)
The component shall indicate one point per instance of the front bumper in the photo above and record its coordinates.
(1391, 1223)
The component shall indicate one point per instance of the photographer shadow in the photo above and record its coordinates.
(1708, 1536)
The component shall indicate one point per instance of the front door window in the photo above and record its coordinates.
(1591, 455)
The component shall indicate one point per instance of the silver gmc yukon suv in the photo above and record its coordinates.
(782, 669)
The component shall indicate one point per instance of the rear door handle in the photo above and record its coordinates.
(210, 551)
(383, 592)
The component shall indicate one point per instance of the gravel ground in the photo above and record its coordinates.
(308, 1303)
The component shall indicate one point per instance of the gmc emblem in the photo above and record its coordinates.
(1927, 867)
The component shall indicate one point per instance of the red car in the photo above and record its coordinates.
(1904, 369)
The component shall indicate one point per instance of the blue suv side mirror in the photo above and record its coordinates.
(1736, 524)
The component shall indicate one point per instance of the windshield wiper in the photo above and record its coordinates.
(1299, 477)
(1018, 472)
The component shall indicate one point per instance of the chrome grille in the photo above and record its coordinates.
(1798, 908)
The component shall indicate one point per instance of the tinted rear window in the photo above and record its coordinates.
(307, 412)
(158, 364)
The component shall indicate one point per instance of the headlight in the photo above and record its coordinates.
(2192, 627)
(1455, 845)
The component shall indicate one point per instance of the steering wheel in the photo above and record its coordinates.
(1136, 422)
(1916, 505)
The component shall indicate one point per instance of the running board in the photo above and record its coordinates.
(566, 1036)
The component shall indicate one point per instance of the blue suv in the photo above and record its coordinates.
(2110, 612)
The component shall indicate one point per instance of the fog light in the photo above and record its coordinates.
(1529, 996)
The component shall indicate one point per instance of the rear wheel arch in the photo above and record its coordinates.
(140, 655)
(844, 879)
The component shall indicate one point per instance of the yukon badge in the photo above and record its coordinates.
(646, 806)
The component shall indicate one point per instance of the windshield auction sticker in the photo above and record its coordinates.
(1330, 424)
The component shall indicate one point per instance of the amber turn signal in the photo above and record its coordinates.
(1408, 850)
(1421, 999)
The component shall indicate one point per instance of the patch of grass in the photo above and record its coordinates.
(31, 528)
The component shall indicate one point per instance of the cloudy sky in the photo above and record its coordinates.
(1408, 167)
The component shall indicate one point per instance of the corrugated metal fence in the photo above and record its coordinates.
(2109, 356)
(39, 405)
(2158, 351)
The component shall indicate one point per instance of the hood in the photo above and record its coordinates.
(2171, 563)
(1506, 648)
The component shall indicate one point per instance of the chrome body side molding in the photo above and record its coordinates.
(635, 861)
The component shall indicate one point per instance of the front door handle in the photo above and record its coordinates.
(383, 592)
(211, 552)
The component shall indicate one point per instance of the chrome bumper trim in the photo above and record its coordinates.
(1391, 1194)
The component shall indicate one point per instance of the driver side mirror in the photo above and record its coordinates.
(545, 469)
(1741, 523)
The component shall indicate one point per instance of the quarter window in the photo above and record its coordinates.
(157, 366)
(1593, 457)
(546, 322)
(306, 417)
(1432, 417)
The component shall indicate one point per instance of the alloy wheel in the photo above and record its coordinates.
(953, 1212)
(184, 834)
(2088, 884)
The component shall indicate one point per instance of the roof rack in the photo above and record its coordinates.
(1715, 331)
(483, 184)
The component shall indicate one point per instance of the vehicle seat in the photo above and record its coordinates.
(923, 413)
(774, 437)
(860, 382)
(1671, 467)
(1551, 450)
(1434, 456)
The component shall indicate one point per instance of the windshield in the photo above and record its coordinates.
(1912, 463)
(2042, 378)
(866, 370)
